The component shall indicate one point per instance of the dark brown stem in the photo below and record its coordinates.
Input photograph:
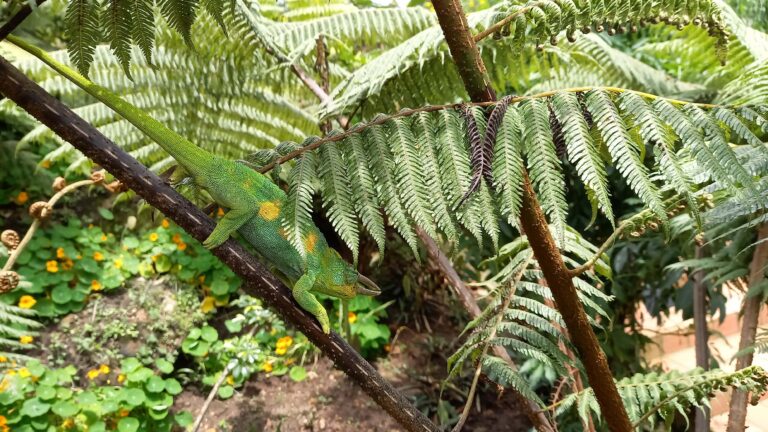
(737, 416)
(17, 19)
(533, 411)
(258, 281)
(470, 66)
(702, 335)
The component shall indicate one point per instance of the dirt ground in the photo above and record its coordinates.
(329, 401)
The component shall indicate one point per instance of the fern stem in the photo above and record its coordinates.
(508, 19)
(380, 120)
(36, 223)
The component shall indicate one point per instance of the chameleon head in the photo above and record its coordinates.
(346, 282)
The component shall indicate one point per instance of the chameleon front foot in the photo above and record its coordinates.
(309, 302)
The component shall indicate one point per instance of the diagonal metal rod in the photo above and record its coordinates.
(258, 281)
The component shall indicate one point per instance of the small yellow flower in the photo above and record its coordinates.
(387, 348)
(272, 331)
(156, 257)
(45, 164)
(176, 238)
(24, 340)
(103, 237)
(123, 413)
(3, 420)
(21, 198)
(11, 372)
(96, 285)
(60, 254)
(230, 380)
(104, 369)
(3, 359)
(153, 237)
(27, 301)
(267, 367)
(285, 341)
(118, 263)
(208, 304)
(52, 266)
(93, 374)
(98, 256)
(352, 317)
(68, 424)
(121, 378)
(165, 223)
(281, 350)
(181, 246)
(24, 373)
(220, 213)
(201, 278)
(67, 264)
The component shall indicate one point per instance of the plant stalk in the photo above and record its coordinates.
(702, 334)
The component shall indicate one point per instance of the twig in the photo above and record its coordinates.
(17, 19)
(508, 19)
(604, 247)
(488, 341)
(36, 223)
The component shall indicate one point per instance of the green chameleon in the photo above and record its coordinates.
(254, 201)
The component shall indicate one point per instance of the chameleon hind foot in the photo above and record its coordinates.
(309, 302)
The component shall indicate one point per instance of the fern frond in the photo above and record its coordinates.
(298, 209)
(82, 21)
(647, 396)
(337, 195)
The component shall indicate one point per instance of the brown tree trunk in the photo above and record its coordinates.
(465, 54)
(738, 411)
(258, 281)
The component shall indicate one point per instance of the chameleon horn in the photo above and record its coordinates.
(366, 286)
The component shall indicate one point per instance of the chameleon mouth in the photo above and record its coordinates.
(366, 286)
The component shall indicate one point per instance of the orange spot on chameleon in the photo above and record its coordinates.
(269, 211)
(309, 242)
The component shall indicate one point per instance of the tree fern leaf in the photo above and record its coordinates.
(426, 131)
(582, 151)
(82, 21)
(624, 151)
(382, 168)
(117, 17)
(298, 209)
(653, 130)
(411, 186)
(508, 165)
(543, 164)
(363, 191)
(180, 15)
(337, 195)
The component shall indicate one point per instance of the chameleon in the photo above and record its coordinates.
(254, 202)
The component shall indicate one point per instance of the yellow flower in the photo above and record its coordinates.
(201, 278)
(52, 266)
(98, 256)
(272, 331)
(3, 359)
(11, 372)
(209, 304)
(60, 254)
(230, 380)
(387, 348)
(285, 341)
(68, 424)
(123, 413)
(121, 378)
(24, 340)
(24, 373)
(3, 420)
(67, 264)
(181, 246)
(153, 237)
(165, 223)
(21, 198)
(281, 350)
(27, 301)
(104, 369)
(96, 285)
(352, 317)
(93, 374)
(267, 367)
(220, 213)
(176, 238)
(118, 263)
(45, 164)
(156, 257)
(103, 237)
